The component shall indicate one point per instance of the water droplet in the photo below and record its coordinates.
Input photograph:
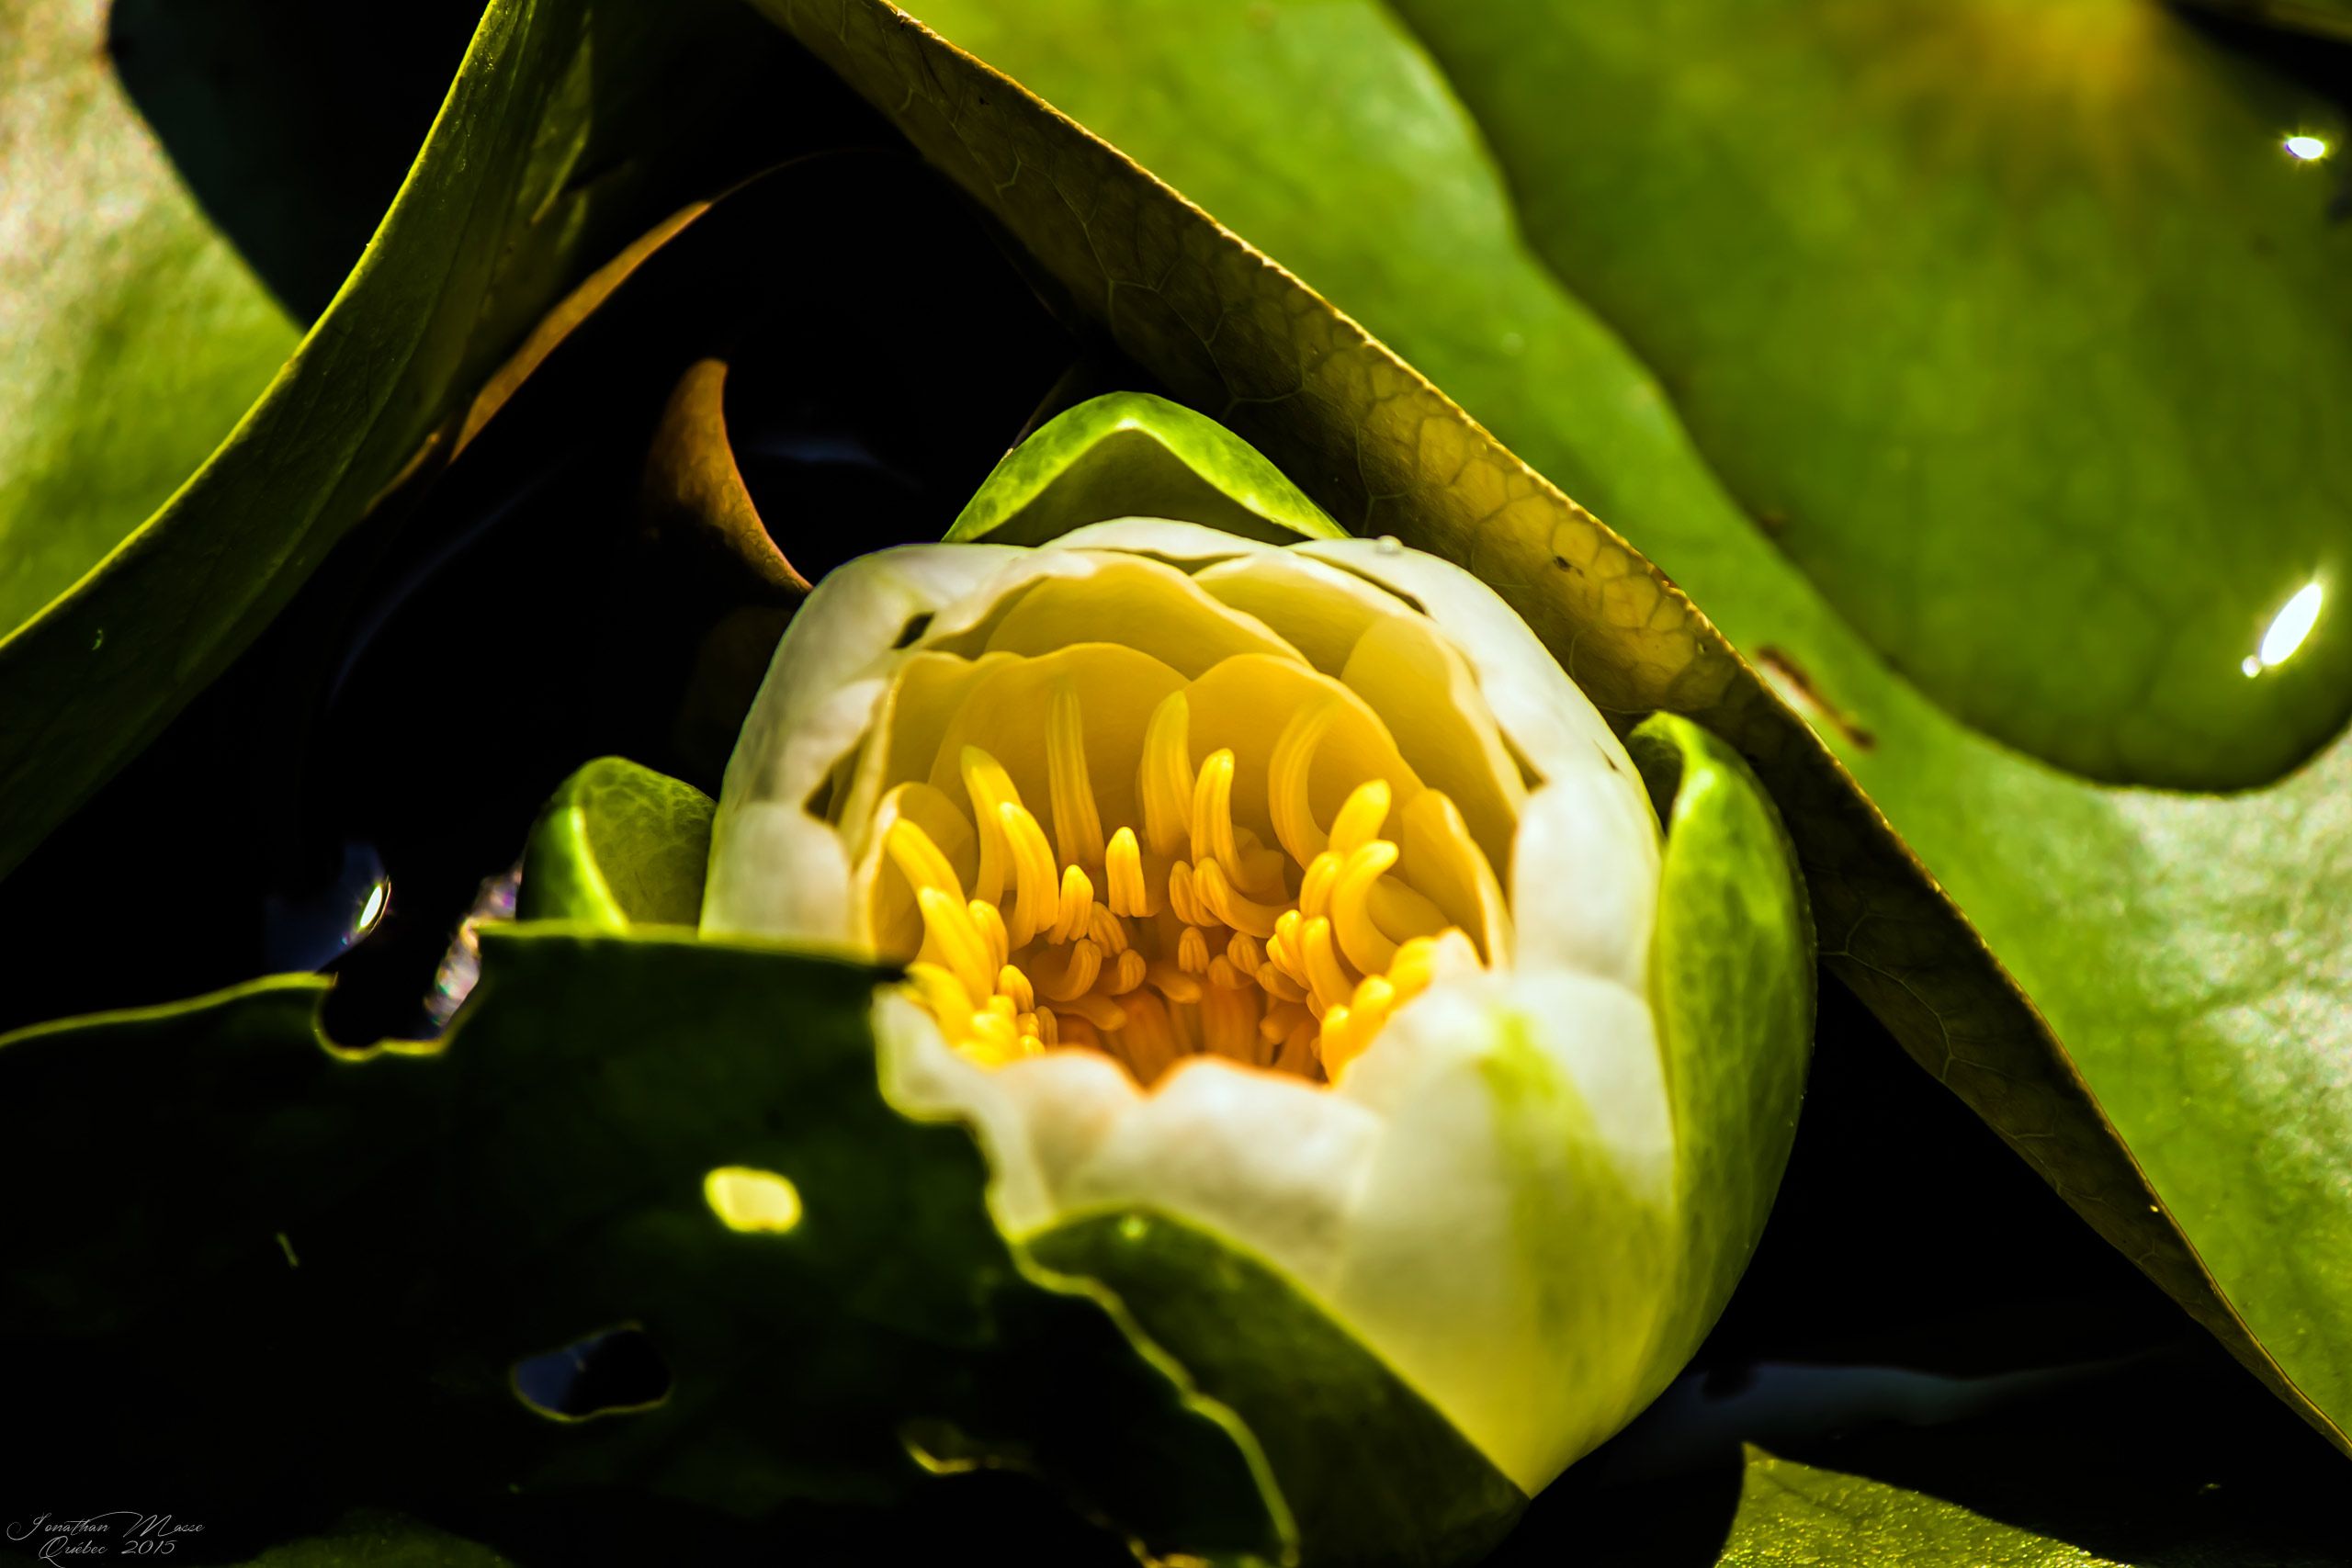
(1389, 545)
(2305, 149)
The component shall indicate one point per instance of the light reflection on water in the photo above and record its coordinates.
(2287, 630)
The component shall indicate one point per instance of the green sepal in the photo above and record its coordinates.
(1370, 1472)
(1731, 987)
(618, 845)
(1131, 455)
(361, 1245)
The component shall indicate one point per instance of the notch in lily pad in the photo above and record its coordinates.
(616, 1371)
(1133, 454)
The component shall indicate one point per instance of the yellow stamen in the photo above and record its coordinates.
(1076, 916)
(1128, 890)
(1288, 776)
(1181, 933)
(1361, 817)
(989, 786)
(1329, 981)
(1212, 836)
(1077, 827)
(1075, 977)
(1037, 900)
(954, 943)
(1216, 898)
(1164, 778)
(1351, 921)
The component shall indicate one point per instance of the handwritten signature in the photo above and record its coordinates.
(120, 1532)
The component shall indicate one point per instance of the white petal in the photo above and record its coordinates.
(1511, 1252)
(1069, 1101)
(1264, 1159)
(771, 876)
(1184, 543)
(777, 870)
(1585, 872)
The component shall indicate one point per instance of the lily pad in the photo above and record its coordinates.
(403, 1229)
(2119, 1001)
(135, 341)
(547, 152)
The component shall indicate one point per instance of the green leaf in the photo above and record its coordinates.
(1131, 455)
(369, 1540)
(561, 135)
(401, 1226)
(2146, 997)
(1731, 987)
(1406, 1487)
(618, 845)
(1792, 1516)
(135, 335)
(1943, 430)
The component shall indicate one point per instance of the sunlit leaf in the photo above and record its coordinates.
(2144, 928)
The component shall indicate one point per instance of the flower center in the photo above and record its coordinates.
(1186, 932)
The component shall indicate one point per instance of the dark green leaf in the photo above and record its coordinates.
(1405, 1488)
(558, 138)
(618, 845)
(359, 1247)
(2181, 948)
(380, 1540)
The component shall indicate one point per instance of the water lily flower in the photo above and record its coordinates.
(1294, 892)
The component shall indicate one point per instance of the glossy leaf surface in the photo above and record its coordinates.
(134, 332)
(2169, 1074)
(548, 151)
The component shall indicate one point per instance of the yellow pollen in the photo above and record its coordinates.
(1257, 932)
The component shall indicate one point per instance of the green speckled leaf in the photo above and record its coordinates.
(1131, 455)
(1794, 1516)
(2147, 992)
(618, 845)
